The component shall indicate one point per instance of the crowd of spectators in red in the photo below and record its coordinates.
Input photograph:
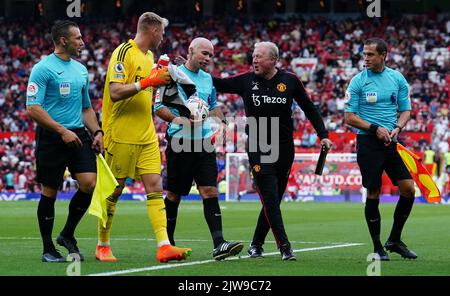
(419, 47)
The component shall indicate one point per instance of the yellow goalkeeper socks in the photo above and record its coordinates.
(156, 212)
(104, 233)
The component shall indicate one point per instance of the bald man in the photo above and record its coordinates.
(190, 154)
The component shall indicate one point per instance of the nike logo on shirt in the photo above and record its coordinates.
(59, 73)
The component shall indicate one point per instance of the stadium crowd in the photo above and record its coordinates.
(419, 48)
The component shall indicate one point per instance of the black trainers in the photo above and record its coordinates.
(255, 251)
(53, 256)
(400, 248)
(287, 255)
(227, 249)
(381, 255)
(70, 243)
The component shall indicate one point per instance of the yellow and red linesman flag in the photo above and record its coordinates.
(420, 174)
(106, 183)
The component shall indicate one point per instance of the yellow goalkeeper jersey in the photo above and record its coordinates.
(130, 120)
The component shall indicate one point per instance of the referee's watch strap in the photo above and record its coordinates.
(373, 128)
(99, 131)
(399, 127)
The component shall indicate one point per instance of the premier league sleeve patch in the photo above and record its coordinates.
(393, 98)
(119, 68)
(347, 97)
(32, 91)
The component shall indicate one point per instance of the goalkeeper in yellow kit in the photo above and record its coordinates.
(131, 143)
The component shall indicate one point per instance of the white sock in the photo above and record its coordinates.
(163, 243)
(101, 244)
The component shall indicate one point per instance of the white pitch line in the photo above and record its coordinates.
(157, 267)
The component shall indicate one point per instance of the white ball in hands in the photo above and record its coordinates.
(198, 108)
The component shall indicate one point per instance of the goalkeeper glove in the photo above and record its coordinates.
(156, 78)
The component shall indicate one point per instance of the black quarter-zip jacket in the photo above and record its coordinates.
(273, 98)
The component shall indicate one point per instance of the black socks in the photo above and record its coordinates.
(46, 217)
(401, 214)
(373, 220)
(78, 206)
(172, 213)
(211, 211)
(213, 217)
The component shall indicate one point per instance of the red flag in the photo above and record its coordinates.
(420, 175)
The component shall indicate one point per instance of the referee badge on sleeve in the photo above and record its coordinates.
(32, 90)
(347, 97)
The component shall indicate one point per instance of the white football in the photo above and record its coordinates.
(199, 109)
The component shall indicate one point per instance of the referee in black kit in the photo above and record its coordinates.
(268, 94)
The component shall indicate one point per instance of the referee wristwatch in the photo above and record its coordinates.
(99, 131)
(399, 127)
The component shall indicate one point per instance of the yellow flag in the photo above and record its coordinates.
(420, 175)
(106, 183)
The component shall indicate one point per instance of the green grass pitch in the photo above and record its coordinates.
(328, 239)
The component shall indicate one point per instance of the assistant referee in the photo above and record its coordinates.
(58, 100)
(373, 99)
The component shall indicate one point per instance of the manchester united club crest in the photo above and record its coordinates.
(257, 168)
(281, 87)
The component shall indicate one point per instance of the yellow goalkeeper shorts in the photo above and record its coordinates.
(129, 160)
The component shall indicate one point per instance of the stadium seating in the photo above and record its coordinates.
(334, 45)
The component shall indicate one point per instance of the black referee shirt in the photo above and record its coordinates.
(273, 98)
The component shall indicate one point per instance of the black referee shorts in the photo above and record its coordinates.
(53, 156)
(374, 157)
(185, 167)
